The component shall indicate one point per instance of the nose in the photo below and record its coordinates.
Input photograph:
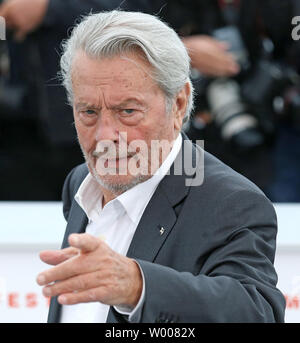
(107, 128)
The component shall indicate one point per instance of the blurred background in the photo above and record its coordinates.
(245, 70)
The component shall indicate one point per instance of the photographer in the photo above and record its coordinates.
(36, 115)
(237, 106)
(286, 151)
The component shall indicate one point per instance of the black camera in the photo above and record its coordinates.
(244, 107)
(231, 114)
(271, 89)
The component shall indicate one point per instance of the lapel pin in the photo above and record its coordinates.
(162, 230)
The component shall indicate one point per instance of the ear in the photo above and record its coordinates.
(180, 106)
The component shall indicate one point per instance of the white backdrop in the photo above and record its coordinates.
(21, 240)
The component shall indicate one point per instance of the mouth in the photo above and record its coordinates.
(111, 159)
(103, 156)
(112, 162)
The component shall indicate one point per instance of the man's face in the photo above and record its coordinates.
(117, 101)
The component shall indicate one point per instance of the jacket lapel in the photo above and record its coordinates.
(159, 216)
(154, 227)
(76, 224)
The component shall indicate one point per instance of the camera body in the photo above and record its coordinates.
(245, 108)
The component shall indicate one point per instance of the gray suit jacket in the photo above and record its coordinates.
(214, 262)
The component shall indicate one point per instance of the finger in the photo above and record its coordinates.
(231, 67)
(225, 65)
(223, 45)
(54, 257)
(61, 271)
(79, 264)
(86, 296)
(77, 283)
(84, 242)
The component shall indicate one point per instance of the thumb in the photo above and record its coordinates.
(84, 241)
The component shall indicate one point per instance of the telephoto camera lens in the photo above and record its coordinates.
(237, 126)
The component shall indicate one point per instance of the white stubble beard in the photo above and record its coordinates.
(114, 188)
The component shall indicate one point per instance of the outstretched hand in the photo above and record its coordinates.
(89, 271)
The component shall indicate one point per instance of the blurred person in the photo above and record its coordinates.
(236, 88)
(25, 16)
(286, 151)
(43, 125)
(152, 247)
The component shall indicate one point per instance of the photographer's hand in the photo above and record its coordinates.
(23, 16)
(210, 57)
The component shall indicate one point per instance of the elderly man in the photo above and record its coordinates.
(146, 240)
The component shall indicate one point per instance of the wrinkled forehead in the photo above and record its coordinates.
(113, 63)
(120, 73)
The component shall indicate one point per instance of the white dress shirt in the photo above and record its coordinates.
(116, 223)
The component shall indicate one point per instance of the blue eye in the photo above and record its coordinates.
(89, 112)
(128, 111)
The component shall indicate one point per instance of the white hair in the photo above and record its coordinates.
(113, 33)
